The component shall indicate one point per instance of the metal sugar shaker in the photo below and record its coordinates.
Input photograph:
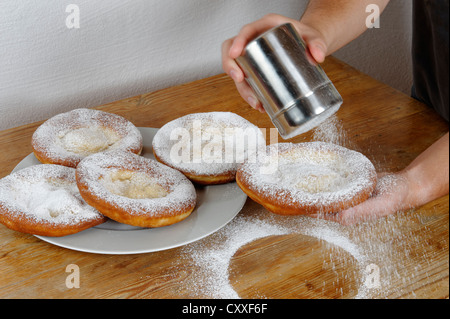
(294, 90)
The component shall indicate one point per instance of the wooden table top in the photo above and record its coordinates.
(259, 254)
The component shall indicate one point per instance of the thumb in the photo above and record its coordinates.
(318, 49)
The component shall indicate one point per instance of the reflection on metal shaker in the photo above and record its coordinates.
(294, 90)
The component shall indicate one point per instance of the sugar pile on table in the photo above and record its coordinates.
(211, 257)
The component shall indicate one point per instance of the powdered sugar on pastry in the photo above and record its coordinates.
(135, 190)
(137, 185)
(87, 140)
(67, 138)
(308, 178)
(45, 196)
(210, 143)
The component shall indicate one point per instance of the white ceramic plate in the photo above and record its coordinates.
(216, 206)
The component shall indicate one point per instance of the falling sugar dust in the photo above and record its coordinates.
(337, 261)
(213, 257)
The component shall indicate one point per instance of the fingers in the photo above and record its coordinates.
(369, 210)
(315, 43)
(373, 208)
(234, 47)
(317, 49)
(388, 198)
(354, 215)
(248, 95)
(230, 66)
(252, 30)
(237, 46)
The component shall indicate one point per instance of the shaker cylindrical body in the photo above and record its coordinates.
(294, 90)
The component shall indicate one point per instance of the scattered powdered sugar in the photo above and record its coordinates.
(379, 249)
(384, 245)
(97, 171)
(45, 193)
(209, 143)
(331, 131)
(73, 135)
(214, 262)
(387, 183)
(212, 257)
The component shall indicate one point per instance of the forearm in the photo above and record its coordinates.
(339, 21)
(428, 174)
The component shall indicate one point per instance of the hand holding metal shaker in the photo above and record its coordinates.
(294, 90)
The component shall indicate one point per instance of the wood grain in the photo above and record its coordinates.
(410, 248)
(304, 268)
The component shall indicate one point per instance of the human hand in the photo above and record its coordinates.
(390, 196)
(233, 48)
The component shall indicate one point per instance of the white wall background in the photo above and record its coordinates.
(128, 47)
